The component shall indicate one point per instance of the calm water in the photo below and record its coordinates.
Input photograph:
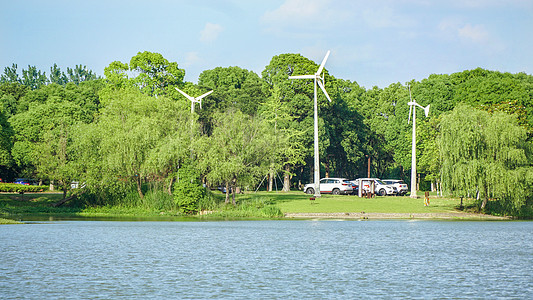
(266, 259)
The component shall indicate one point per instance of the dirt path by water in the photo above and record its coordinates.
(377, 216)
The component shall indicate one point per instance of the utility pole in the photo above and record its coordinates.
(368, 166)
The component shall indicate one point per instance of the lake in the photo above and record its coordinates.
(267, 259)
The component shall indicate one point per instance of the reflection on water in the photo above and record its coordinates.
(267, 259)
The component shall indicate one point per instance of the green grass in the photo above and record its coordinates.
(297, 202)
(262, 205)
(8, 221)
(32, 203)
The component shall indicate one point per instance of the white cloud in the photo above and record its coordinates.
(456, 29)
(476, 33)
(210, 32)
(303, 18)
(296, 10)
(307, 18)
(482, 4)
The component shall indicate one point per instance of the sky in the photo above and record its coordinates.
(374, 43)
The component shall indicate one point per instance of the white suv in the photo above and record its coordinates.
(399, 184)
(380, 187)
(335, 186)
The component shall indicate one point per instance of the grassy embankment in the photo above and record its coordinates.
(261, 205)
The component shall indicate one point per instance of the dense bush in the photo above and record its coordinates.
(17, 188)
(187, 196)
(188, 191)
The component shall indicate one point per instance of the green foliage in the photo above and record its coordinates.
(43, 129)
(129, 136)
(10, 95)
(56, 76)
(136, 139)
(10, 75)
(188, 191)
(486, 154)
(79, 74)
(236, 153)
(8, 221)
(6, 144)
(116, 75)
(234, 88)
(35, 79)
(16, 188)
(155, 75)
(248, 206)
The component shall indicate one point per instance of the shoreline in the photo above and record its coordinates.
(398, 216)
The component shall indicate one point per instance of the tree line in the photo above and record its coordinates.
(131, 133)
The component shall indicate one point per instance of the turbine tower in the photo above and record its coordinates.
(193, 99)
(412, 109)
(320, 81)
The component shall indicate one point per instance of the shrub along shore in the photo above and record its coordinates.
(250, 205)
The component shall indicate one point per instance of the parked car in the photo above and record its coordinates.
(380, 187)
(335, 186)
(25, 181)
(222, 188)
(355, 188)
(399, 184)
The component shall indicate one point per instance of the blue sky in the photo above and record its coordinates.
(372, 42)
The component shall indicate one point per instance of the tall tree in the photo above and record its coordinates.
(486, 156)
(116, 75)
(39, 115)
(10, 96)
(6, 144)
(80, 74)
(155, 74)
(33, 78)
(235, 155)
(136, 138)
(10, 75)
(150, 72)
(233, 88)
(286, 149)
(297, 99)
(57, 76)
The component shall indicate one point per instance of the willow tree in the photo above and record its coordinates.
(236, 154)
(136, 139)
(486, 156)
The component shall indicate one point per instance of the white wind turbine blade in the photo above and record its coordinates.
(426, 110)
(199, 98)
(322, 64)
(302, 77)
(184, 94)
(204, 95)
(321, 85)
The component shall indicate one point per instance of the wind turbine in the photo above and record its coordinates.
(412, 109)
(318, 79)
(193, 99)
